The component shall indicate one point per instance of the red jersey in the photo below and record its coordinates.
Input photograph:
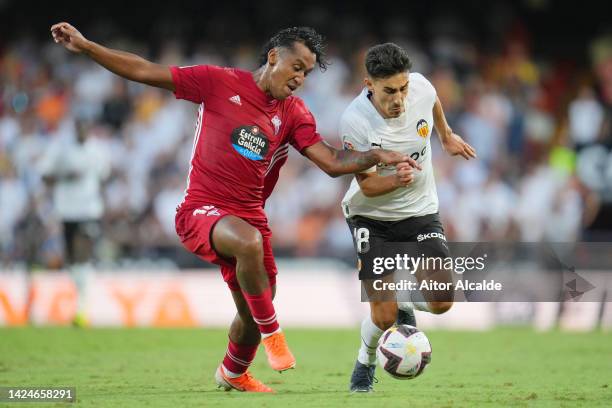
(242, 138)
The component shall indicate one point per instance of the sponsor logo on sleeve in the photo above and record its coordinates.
(348, 145)
(250, 142)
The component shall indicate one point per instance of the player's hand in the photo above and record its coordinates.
(403, 175)
(455, 145)
(393, 158)
(65, 34)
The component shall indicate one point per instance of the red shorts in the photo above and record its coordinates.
(194, 227)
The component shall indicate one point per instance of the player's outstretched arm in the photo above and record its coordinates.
(338, 162)
(452, 143)
(124, 64)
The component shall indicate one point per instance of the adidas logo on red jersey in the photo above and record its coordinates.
(236, 99)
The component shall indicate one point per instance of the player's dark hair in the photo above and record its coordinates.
(287, 37)
(385, 60)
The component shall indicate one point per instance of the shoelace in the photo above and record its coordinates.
(274, 341)
(248, 378)
(366, 375)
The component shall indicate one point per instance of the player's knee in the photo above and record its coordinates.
(251, 244)
(245, 317)
(249, 324)
(245, 330)
(385, 318)
(440, 307)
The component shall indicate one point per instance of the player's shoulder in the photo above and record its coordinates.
(211, 70)
(418, 79)
(229, 72)
(295, 107)
(420, 84)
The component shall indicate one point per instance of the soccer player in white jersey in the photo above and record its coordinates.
(397, 110)
(76, 170)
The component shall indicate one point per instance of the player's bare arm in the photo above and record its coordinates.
(452, 143)
(124, 64)
(338, 162)
(374, 185)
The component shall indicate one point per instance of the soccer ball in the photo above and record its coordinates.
(403, 352)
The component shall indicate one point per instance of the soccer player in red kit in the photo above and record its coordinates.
(246, 122)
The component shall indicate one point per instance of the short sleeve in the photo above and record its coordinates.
(354, 137)
(304, 132)
(192, 83)
(423, 85)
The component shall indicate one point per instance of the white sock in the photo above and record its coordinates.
(370, 333)
(80, 273)
(229, 373)
(264, 335)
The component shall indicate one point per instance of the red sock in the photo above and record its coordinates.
(263, 311)
(238, 357)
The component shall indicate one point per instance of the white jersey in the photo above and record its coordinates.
(363, 128)
(80, 198)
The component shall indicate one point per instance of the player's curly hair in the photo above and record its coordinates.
(385, 60)
(306, 35)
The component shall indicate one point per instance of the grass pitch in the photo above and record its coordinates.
(174, 368)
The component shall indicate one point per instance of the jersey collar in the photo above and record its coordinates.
(260, 95)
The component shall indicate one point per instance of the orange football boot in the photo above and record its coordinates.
(244, 383)
(280, 357)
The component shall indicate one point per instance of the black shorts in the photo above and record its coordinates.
(415, 236)
(80, 237)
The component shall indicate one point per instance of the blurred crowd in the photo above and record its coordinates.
(540, 127)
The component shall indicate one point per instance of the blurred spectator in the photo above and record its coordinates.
(586, 117)
(13, 201)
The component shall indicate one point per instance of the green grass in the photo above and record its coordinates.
(174, 368)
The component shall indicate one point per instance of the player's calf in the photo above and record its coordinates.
(439, 297)
(436, 302)
(256, 319)
(434, 307)
(243, 329)
(439, 307)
